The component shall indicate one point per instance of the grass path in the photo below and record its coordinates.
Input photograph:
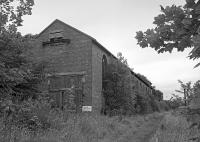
(174, 128)
(166, 127)
(144, 132)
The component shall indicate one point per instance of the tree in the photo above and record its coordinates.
(187, 90)
(158, 94)
(15, 70)
(11, 12)
(177, 27)
(122, 59)
(117, 91)
(19, 77)
(196, 89)
(175, 101)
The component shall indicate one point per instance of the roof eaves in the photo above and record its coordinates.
(46, 28)
(102, 47)
(141, 79)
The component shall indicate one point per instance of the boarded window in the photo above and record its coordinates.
(67, 91)
(56, 35)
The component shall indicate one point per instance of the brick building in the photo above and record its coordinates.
(75, 66)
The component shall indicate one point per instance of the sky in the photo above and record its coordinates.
(114, 24)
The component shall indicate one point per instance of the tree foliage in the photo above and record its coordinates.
(19, 77)
(17, 74)
(158, 94)
(190, 92)
(196, 89)
(177, 27)
(187, 90)
(121, 94)
(122, 59)
(11, 12)
(116, 89)
(175, 101)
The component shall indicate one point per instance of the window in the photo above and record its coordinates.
(137, 84)
(55, 35)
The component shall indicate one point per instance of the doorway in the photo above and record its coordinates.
(66, 92)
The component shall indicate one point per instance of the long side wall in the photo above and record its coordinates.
(97, 96)
(135, 84)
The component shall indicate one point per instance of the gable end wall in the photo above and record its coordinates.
(68, 58)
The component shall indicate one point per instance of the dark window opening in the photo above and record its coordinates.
(56, 37)
(104, 69)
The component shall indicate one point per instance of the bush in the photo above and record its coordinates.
(116, 90)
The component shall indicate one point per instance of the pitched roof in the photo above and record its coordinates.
(57, 20)
(94, 41)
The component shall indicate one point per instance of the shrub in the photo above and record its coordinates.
(116, 89)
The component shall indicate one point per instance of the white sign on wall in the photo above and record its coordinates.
(86, 108)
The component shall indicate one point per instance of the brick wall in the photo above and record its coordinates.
(97, 55)
(73, 57)
(82, 54)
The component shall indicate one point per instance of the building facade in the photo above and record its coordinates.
(75, 66)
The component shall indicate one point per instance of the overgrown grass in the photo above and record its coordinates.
(87, 127)
(176, 128)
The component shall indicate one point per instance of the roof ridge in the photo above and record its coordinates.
(66, 25)
(90, 37)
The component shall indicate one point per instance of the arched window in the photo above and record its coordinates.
(104, 67)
